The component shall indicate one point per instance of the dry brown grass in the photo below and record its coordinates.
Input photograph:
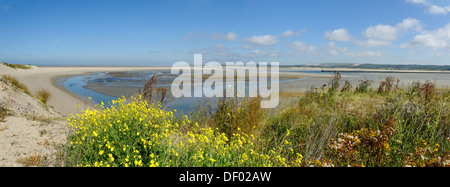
(34, 160)
(386, 85)
(14, 82)
(3, 113)
(40, 118)
(153, 94)
(17, 66)
(43, 95)
(291, 94)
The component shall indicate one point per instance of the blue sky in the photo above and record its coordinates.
(161, 32)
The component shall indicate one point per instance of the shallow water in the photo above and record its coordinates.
(76, 85)
(127, 83)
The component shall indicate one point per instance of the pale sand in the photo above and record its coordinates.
(29, 130)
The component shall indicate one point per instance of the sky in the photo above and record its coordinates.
(162, 32)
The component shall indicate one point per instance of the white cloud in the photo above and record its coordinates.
(247, 47)
(218, 46)
(376, 36)
(367, 54)
(439, 38)
(303, 47)
(290, 33)
(257, 52)
(383, 35)
(373, 43)
(432, 8)
(383, 32)
(335, 50)
(287, 33)
(340, 35)
(409, 23)
(424, 2)
(264, 40)
(231, 36)
(389, 32)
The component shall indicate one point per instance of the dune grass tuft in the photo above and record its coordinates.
(14, 82)
(43, 95)
(17, 66)
(3, 112)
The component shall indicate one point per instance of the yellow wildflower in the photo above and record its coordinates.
(111, 158)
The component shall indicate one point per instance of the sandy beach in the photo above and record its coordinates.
(45, 77)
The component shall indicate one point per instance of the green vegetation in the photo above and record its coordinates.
(17, 66)
(379, 66)
(389, 127)
(140, 134)
(14, 82)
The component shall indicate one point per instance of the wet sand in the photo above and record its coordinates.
(296, 81)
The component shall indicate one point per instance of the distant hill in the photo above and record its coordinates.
(378, 66)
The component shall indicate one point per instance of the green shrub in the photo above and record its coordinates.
(363, 86)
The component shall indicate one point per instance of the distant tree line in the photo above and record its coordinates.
(378, 66)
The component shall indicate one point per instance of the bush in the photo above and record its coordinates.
(234, 113)
(386, 86)
(334, 83)
(363, 86)
(365, 147)
(347, 87)
(140, 134)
